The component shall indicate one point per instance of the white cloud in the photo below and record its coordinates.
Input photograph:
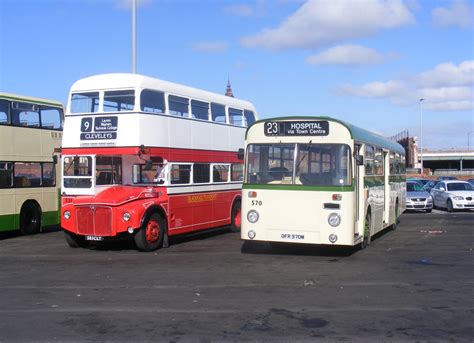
(319, 22)
(246, 10)
(347, 55)
(459, 14)
(211, 47)
(443, 88)
(373, 90)
(448, 74)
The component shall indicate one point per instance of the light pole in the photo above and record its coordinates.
(134, 36)
(421, 135)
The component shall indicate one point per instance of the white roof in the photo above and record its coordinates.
(127, 81)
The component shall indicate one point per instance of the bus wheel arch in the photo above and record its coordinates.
(30, 217)
(236, 215)
(153, 232)
(367, 229)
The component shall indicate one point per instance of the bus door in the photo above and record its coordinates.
(359, 188)
(387, 194)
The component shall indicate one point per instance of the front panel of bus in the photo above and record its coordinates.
(299, 183)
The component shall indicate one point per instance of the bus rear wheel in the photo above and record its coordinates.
(236, 217)
(74, 241)
(30, 218)
(366, 242)
(150, 236)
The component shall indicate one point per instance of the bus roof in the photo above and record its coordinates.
(127, 80)
(357, 133)
(15, 97)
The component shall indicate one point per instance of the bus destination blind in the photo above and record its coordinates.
(296, 128)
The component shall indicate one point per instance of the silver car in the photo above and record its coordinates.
(453, 195)
(417, 198)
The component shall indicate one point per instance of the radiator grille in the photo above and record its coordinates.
(94, 220)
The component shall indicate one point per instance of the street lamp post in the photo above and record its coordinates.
(134, 36)
(421, 135)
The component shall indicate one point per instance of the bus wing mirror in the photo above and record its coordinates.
(55, 159)
(148, 165)
(359, 160)
(240, 154)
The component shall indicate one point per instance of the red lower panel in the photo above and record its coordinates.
(201, 210)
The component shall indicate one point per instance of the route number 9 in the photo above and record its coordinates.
(86, 125)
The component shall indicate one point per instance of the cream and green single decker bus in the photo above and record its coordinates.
(319, 180)
(30, 138)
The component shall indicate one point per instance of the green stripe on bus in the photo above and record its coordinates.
(299, 187)
(374, 181)
(10, 222)
(397, 178)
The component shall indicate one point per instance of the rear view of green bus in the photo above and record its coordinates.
(30, 136)
(318, 180)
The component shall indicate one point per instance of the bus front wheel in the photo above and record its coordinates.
(236, 217)
(150, 236)
(74, 241)
(30, 218)
(366, 242)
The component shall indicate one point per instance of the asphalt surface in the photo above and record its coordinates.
(413, 284)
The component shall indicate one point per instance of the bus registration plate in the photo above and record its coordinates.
(94, 238)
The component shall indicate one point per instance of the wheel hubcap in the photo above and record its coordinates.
(237, 218)
(152, 231)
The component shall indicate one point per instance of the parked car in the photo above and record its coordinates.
(417, 198)
(419, 180)
(429, 186)
(447, 178)
(453, 195)
(471, 181)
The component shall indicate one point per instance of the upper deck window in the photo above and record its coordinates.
(4, 112)
(152, 101)
(116, 101)
(85, 102)
(218, 113)
(51, 117)
(178, 106)
(25, 114)
(200, 109)
(236, 116)
(249, 117)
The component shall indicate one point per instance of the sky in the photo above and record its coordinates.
(368, 62)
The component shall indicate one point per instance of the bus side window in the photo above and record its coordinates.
(152, 101)
(4, 112)
(51, 118)
(200, 109)
(6, 174)
(249, 118)
(178, 106)
(369, 160)
(218, 113)
(235, 117)
(180, 174)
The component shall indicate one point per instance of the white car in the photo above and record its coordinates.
(453, 195)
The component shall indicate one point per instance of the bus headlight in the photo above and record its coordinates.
(252, 216)
(67, 214)
(334, 219)
(126, 217)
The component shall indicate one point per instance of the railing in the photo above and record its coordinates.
(448, 172)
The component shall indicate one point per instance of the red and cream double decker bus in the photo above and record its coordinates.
(150, 158)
